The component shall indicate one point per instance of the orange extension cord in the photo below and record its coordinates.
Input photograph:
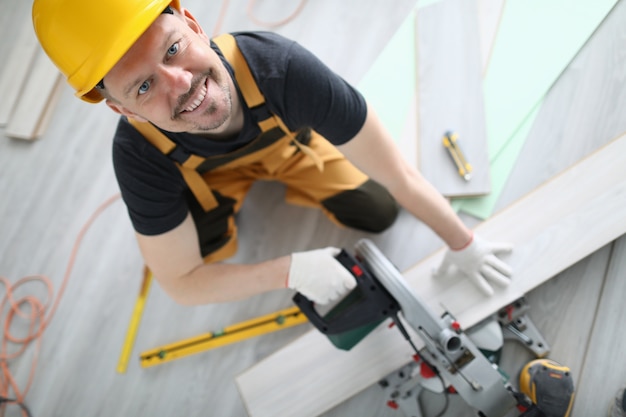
(38, 313)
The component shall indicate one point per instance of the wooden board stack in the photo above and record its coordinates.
(310, 376)
(29, 87)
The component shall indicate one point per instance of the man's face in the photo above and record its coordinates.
(172, 78)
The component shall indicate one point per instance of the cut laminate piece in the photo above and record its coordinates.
(553, 227)
(450, 96)
(15, 70)
(36, 100)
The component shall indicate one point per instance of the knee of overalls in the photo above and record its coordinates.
(370, 207)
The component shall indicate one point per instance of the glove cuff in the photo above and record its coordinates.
(466, 245)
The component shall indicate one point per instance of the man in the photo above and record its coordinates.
(179, 93)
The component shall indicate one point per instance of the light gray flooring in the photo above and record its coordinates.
(52, 186)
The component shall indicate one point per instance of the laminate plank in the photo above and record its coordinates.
(563, 310)
(37, 98)
(450, 96)
(15, 70)
(48, 111)
(546, 245)
(602, 371)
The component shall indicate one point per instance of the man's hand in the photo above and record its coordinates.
(479, 263)
(319, 276)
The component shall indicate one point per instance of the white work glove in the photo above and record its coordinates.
(479, 263)
(318, 276)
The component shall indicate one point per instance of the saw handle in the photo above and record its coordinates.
(369, 302)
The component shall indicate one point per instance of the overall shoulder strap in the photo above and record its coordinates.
(247, 84)
(154, 136)
(251, 93)
(194, 180)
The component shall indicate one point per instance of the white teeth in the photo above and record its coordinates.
(201, 95)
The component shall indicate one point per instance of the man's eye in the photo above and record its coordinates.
(173, 49)
(144, 87)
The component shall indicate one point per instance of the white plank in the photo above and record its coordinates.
(309, 376)
(46, 114)
(450, 96)
(15, 70)
(39, 93)
(605, 361)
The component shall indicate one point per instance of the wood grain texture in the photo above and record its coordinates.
(591, 192)
(450, 96)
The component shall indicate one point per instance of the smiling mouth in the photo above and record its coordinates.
(199, 97)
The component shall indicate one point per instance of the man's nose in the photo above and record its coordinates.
(177, 80)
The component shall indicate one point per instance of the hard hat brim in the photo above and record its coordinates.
(124, 42)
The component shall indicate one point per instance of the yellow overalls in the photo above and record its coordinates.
(315, 172)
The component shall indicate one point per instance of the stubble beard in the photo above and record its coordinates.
(219, 110)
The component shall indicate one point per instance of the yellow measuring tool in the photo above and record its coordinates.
(237, 332)
(133, 326)
(463, 167)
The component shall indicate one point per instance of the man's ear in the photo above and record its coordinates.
(192, 22)
(118, 108)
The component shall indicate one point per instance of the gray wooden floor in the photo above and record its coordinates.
(50, 188)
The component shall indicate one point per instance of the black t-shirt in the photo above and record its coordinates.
(297, 87)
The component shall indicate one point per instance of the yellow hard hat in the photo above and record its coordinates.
(86, 38)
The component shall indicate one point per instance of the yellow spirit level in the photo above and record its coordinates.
(237, 332)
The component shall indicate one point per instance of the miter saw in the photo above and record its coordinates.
(447, 353)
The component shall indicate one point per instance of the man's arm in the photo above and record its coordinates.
(374, 152)
(175, 260)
